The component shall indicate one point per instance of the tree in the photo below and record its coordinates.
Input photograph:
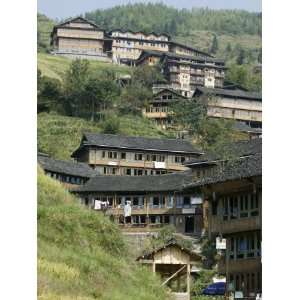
(98, 95)
(241, 57)
(209, 133)
(228, 50)
(215, 45)
(74, 82)
(49, 93)
(111, 125)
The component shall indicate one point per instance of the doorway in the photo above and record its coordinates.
(189, 224)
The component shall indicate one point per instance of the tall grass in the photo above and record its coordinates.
(82, 254)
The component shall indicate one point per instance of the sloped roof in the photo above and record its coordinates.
(139, 31)
(233, 93)
(235, 150)
(172, 243)
(66, 167)
(136, 143)
(194, 58)
(242, 168)
(138, 184)
(75, 19)
(191, 48)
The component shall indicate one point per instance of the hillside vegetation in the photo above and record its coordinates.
(56, 66)
(82, 255)
(60, 135)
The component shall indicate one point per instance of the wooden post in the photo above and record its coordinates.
(188, 271)
(153, 267)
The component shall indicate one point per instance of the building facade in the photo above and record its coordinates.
(127, 46)
(232, 193)
(154, 201)
(159, 109)
(81, 38)
(233, 104)
(112, 154)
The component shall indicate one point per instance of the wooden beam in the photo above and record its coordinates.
(172, 276)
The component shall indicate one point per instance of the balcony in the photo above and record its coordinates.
(237, 225)
(246, 265)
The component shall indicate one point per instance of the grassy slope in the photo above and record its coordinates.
(60, 136)
(82, 255)
(55, 66)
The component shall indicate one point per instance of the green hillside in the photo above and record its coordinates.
(56, 66)
(82, 255)
(60, 135)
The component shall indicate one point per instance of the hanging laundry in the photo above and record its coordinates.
(127, 209)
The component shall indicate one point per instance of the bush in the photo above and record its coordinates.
(111, 125)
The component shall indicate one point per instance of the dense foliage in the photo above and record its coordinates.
(209, 133)
(60, 135)
(161, 18)
(82, 254)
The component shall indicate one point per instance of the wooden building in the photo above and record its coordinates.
(70, 173)
(128, 45)
(185, 73)
(173, 263)
(232, 191)
(80, 38)
(234, 104)
(159, 108)
(154, 201)
(136, 156)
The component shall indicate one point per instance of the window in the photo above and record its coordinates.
(103, 153)
(179, 159)
(123, 155)
(112, 154)
(138, 156)
(155, 201)
(128, 171)
(167, 219)
(170, 201)
(153, 157)
(186, 201)
(135, 201)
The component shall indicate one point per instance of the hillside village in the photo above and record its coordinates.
(199, 171)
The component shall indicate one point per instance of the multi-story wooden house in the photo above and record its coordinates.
(69, 173)
(185, 73)
(159, 107)
(128, 45)
(136, 156)
(154, 201)
(81, 38)
(234, 104)
(232, 192)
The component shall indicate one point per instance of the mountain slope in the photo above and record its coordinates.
(82, 255)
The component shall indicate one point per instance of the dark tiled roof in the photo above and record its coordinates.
(77, 18)
(237, 93)
(191, 48)
(231, 150)
(246, 167)
(137, 143)
(66, 167)
(194, 58)
(139, 31)
(138, 184)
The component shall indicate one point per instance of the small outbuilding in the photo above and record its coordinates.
(174, 263)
